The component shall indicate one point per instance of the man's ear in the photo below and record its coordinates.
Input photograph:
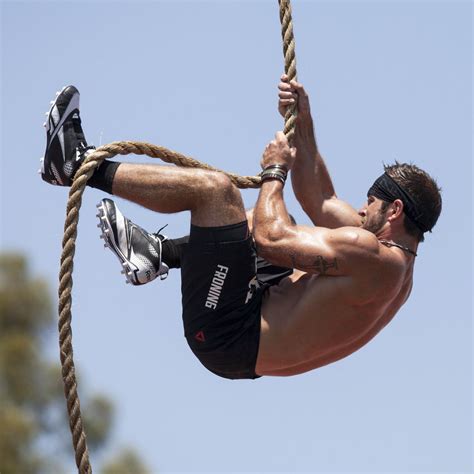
(396, 210)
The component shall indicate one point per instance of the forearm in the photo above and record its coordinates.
(271, 220)
(309, 176)
(313, 186)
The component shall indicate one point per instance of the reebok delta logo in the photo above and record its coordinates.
(216, 286)
(199, 336)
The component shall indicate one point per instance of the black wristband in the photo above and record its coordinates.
(274, 172)
(276, 167)
(265, 177)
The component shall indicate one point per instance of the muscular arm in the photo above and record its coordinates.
(274, 232)
(344, 251)
(310, 178)
(313, 186)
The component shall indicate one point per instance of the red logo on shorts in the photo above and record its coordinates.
(200, 336)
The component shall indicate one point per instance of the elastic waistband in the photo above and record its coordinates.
(227, 233)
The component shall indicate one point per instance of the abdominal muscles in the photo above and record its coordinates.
(310, 321)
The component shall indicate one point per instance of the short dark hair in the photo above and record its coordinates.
(424, 191)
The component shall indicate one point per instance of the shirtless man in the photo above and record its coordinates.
(352, 272)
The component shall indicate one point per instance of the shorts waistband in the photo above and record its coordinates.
(227, 233)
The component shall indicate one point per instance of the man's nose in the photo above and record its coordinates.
(362, 212)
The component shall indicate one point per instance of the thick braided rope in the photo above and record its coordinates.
(72, 220)
(290, 62)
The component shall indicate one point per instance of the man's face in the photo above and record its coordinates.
(373, 213)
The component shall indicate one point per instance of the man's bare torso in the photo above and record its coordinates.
(312, 320)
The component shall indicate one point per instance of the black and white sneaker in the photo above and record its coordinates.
(139, 251)
(66, 146)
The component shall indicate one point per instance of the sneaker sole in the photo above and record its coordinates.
(52, 104)
(129, 269)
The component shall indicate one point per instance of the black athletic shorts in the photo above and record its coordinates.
(222, 297)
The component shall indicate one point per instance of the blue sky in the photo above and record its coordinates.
(387, 80)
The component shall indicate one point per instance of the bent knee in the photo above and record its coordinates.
(219, 202)
(217, 185)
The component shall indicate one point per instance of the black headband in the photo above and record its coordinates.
(388, 190)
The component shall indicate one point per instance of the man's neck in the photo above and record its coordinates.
(402, 239)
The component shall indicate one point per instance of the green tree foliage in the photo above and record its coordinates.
(126, 462)
(27, 387)
(34, 430)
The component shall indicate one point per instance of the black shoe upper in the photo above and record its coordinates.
(66, 145)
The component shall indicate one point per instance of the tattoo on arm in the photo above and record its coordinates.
(320, 265)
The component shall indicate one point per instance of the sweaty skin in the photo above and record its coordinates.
(310, 177)
(348, 285)
(309, 321)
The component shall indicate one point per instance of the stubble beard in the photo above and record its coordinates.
(375, 224)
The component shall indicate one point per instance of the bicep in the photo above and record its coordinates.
(304, 248)
(332, 213)
(333, 252)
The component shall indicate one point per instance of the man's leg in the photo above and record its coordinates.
(144, 256)
(210, 196)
